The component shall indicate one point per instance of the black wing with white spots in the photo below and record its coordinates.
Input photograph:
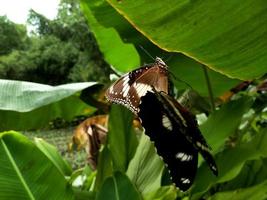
(172, 132)
(188, 126)
(132, 86)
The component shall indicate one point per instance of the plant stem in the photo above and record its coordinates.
(209, 88)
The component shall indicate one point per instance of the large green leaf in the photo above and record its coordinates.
(51, 152)
(146, 167)
(83, 195)
(27, 173)
(66, 109)
(257, 192)
(116, 52)
(224, 122)
(122, 139)
(24, 96)
(230, 163)
(118, 187)
(100, 14)
(192, 73)
(254, 172)
(104, 167)
(163, 193)
(229, 37)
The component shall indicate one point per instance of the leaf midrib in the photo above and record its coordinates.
(13, 163)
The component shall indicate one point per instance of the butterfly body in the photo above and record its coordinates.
(132, 86)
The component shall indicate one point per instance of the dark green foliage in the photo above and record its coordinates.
(116, 187)
(118, 140)
(48, 60)
(60, 50)
(12, 36)
(28, 170)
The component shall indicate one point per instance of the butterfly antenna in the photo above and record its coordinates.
(178, 79)
(146, 52)
(169, 58)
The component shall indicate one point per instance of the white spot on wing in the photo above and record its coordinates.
(166, 122)
(111, 89)
(183, 157)
(125, 80)
(185, 180)
(141, 89)
(202, 146)
(125, 90)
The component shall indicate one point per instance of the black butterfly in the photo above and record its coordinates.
(132, 86)
(176, 136)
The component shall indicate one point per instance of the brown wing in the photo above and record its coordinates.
(156, 77)
(132, 86)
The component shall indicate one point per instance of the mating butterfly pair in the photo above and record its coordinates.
(169, 125)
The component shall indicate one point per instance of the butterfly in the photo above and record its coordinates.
(177, 139)
(132, 86)
(90, 134)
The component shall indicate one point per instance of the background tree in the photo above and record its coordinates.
(12, 36)
(60, 50)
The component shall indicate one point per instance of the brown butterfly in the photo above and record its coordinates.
(90, 134)
(132, 86)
